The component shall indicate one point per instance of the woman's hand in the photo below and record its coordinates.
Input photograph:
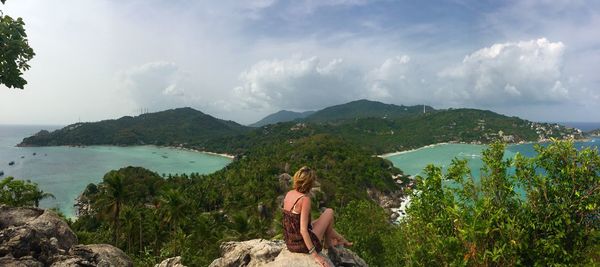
(321, 260)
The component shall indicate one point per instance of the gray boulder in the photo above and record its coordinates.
(260, 252)
(37, 237)
(171, 262)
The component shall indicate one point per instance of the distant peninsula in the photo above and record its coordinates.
(595, 132)
(374, 126)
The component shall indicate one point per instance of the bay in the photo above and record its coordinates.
(66, 171)
(413, 162)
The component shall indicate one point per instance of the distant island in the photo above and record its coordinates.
(374, 126)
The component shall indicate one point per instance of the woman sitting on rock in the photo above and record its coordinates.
(299, 233)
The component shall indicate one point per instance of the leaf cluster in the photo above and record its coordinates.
(15, 51)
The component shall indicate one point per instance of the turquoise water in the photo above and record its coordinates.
(66, 171)
(413, 162)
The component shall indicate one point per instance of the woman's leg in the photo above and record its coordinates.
(323, 229)
(323, 226)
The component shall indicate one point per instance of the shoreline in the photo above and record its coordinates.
(391, 154)
(229, 156)
(412, 150)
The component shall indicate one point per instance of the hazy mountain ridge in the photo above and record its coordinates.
(281, 116)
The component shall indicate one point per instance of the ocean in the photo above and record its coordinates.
(413, 162)
(66, 171)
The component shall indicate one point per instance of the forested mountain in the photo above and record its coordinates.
(169, 127)
(365, 109)
(374, 126)
(383, 135)
(281, 116)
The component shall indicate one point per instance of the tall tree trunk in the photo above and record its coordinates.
(116, 223)
(141, 219)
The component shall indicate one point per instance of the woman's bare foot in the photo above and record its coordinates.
(341, 242)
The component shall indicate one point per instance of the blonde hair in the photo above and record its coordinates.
(304, 179)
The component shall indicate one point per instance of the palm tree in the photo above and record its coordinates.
(39, 195)
(173, 207)
(128, 215)
(111, 200)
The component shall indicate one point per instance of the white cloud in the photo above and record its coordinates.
(155, 86)
(297, 83)
(509, 73)
(397, 80)
(501, 75)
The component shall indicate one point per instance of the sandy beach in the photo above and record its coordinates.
(411, 150)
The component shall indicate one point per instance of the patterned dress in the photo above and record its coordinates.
(291, 232)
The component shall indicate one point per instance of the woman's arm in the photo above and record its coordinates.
(304, 221)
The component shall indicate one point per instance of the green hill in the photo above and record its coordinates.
(365, 109)
(374, 126)
(281, 116)
(384, 135)
(169, 127)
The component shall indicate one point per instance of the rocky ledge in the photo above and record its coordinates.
(37, 237)
(271, 253)
(260, 252)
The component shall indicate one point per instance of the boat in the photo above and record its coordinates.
(1, 173)
(34, 153)
(11, 163)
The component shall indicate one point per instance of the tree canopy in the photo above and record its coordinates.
(15, 51)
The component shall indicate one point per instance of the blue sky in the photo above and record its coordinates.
(242, 60)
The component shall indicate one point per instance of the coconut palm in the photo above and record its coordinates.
(38, 195)
(173, 208)
(112, 196)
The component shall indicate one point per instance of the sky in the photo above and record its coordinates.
(242, 60)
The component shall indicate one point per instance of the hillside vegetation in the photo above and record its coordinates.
(374, 126)
(472, 224)
(190, 215)
(169, 127)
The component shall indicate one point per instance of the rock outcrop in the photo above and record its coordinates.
(260, 252)
(171, 262)
(36, 237)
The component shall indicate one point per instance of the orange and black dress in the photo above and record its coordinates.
(291, 232)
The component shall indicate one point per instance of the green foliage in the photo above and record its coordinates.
(451, 220)
(367, 225)
(15, 51)
(21, 193)
(463, 223)
(159, 218)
